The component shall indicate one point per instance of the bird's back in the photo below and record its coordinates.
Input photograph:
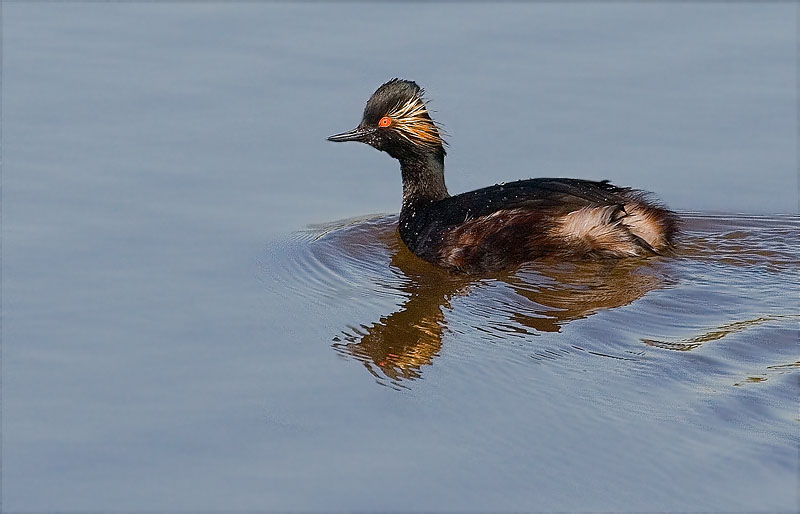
(506, 224)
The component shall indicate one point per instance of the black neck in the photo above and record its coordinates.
(423, 178)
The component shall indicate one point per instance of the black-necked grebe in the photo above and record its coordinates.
(500, 226)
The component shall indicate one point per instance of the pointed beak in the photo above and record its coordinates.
(357, 134)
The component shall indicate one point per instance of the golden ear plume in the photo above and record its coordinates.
(412, 121)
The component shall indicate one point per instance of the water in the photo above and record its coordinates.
(186, 327)
(420, 306)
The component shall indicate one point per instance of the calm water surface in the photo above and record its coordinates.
(186, 326)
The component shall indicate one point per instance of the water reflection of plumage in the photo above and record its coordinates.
(540, 297)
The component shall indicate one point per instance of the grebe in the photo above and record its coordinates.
(501, 226)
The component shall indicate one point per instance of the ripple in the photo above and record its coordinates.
(715, 334)
(348, 259)
(729, 273)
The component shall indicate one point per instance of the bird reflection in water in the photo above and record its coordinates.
(540, 297)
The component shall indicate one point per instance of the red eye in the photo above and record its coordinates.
(385, 121)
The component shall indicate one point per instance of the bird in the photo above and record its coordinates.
(505, 225)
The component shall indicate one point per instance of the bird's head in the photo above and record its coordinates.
(396, 121)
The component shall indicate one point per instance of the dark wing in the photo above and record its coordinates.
(558, 196)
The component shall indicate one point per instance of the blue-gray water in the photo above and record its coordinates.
(186, 325)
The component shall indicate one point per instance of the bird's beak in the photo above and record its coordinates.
(357, 134)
